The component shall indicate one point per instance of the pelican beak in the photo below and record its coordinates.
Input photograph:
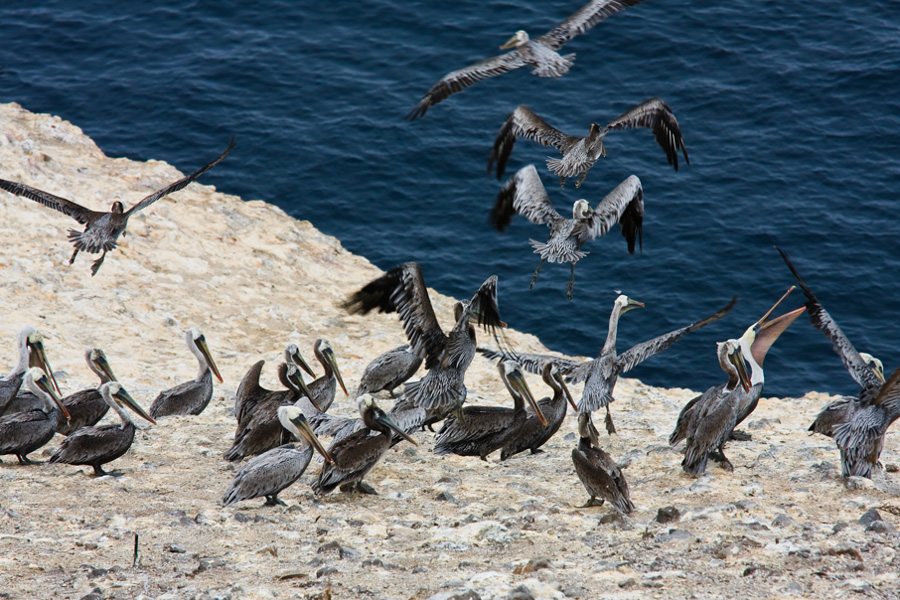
(565, 389)
(38, 358)
(774, 306)
(632, 304)
(517, 381)
(510, 43)
(298, 360)
(125, 399)
(329, 356)
(737, 359)
(766, 333)
(44, 382)
(383, 418)
(306, 431)
(102, 365)
(204, 350)
(297, 379)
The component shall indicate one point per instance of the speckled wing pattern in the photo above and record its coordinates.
(587, 16)
(532, 363)
(524, 193)
(623, 205)
(66, 207)
(523, 122)
(654, 114)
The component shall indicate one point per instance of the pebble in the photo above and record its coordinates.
(869, 517)
(520, 593)
(446, 496)
(882, 527)
(176, 548)
(325, 571)
(782, 520)
(667, 514)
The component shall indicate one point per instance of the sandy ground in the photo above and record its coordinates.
(783, 524)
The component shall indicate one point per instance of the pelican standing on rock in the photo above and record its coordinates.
(580, 153)
(101, 229)
(389, 370)
(96, 446)
(191, 397)
(600, 475)
(525, 194)
(542, 53)
(250, 392)
(30, 347)
(533, 434)
(24, 432)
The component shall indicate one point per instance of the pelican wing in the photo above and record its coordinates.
(641, 352)
(654, 114)
(178, 185)
(460, 79)
(480, 421)
(524, 193)
(587, 16)
(485, 309)
(532, 363)
(523, 122)
(67, 207)
(625, 205)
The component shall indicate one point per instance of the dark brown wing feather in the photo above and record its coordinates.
(625, 205)
(523, 122)
(587, 16)
(654, 114)
(67, 207)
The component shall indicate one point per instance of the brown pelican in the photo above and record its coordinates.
(24, 432)
(96, 446)
(525, 194)
(447, 356)
(101, 229)
(580, 153)
(600, 475)
(191, 397)
(87, 407)
(31, 353)
(249, 392)
(324, 388)
(355, 455)
(840, 410)
(389, 370)
(533, 434)
(268, 474)
(483, 429)
(541, 53)
(601, 374)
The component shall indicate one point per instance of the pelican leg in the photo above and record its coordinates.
(98, 471)
(724, 462)
(571, 287)
(24, 460)
(74, 254)
(592, 502)
(740, 436)
(537, 451)
(536, 272)
(581, 179)
(95, 266)
(610, 428)
(562, 182)
(274, 500)
(365, 488)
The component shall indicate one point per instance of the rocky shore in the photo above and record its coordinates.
(783, 524)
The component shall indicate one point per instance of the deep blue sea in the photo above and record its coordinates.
(790, 112)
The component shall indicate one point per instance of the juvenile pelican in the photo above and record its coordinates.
(541, 53)
(580, 153)
(24, 432)
(533, 434)
(324, 388)
(389, 370)
(249, 392)
(525, 194)
(355, 455)
(600, 475)
(268, 474)
(191, 397)
(101, 229)
(30, 346)
(96, 446)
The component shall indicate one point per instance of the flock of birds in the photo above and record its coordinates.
(278, 430)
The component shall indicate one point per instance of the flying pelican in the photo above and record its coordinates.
(101, 229)
(324, 388)
(191, 397)
(600, 475)
(601, 374)
(24, 432)
(524, 193)
(483, 429)
(96, 446)
(389, 370)
(533, 434)
(31, 353)
(447, 356)
(580, 153)
(541, 53)
(268, 474)
(249, 392)
(355, 455)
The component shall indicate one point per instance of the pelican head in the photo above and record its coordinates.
(96, 360)
(515, 382)
(552, 376)
(39, 383)
(624, 303)
(196, 341)
(372, 415)
(324, 349)
(292, 419)
(34, 342)
(731, 358)
(118, 208)
(760, 336)
(292, 354)
(520, 38)
(581, 210)
(876, 365)
(112, 391)
(586, 428)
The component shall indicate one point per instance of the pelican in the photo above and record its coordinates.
(525, 194)
(389, 370)
(324, 388)
(96, 446)
(840, 410)
(268, 474)
(533, 434)
(24, 432)
(600, 475)
(355, 455)
(580, 153)
(191, 397)
(541, 53)
(101, 229)
(249, 392)
(483, 429)
(31, 353)
(601, 374)
(87, 407)
(447, 356)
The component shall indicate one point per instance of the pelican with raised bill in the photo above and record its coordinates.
(542, 53)
(524, 194)
(30, 350)
(101, 229)
(191, 397)
(97, 446)
(580, 153)
(25, 432)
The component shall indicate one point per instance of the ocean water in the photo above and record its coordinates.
(790, 113)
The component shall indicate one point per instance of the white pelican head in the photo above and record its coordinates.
(519, 39)
(581, 210)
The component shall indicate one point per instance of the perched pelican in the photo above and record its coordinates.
(31, 353)
(483, 429)
(102, 229)
(324, 388)
(249, 392)
(525, 194)
(600, 475)
(87, 407)
(96, 446)
(447, 356)
(533, 434)
(580, 153)
(191, 397)
(24, 432)
(355, 455)
(389, 370)
(268, 474)
(541, 53)
(601, 374)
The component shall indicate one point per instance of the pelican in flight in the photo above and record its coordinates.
(191, 397)
(101, 229)
(600, 475)
(580, 153)
(96, 446)
(389, 370)
(24, 432)
(524, 193)
(601, 374)
(30, 348)
(447, 356)
(542, 53)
